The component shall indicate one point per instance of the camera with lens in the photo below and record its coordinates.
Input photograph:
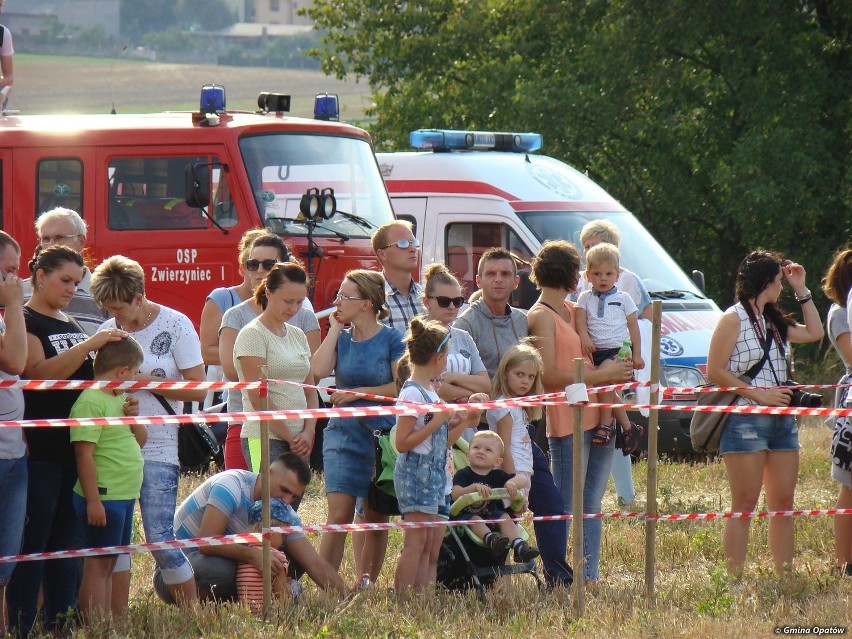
(803, 399)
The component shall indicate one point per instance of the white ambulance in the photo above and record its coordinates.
(467, 191)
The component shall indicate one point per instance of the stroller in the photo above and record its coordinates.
(465, 562)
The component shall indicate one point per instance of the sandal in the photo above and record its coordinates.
(603, 434)
(628, 440)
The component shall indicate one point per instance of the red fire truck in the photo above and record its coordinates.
(175, 191)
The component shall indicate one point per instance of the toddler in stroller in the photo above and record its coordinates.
(474, 555)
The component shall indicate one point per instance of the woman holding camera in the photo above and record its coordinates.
(761, 450)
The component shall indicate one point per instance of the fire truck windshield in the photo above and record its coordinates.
(282, 167)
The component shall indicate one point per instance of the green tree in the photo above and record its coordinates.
(724, 125)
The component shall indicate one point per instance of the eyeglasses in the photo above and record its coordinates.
(253, 265)
(340, 297)
(53, 239)
(443, 342)
(404, 244)
(444, 302)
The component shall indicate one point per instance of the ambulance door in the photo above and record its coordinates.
(186, 251)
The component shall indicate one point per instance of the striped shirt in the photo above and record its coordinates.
(403, 307)
(230, 492)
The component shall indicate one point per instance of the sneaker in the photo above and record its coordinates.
(496, 542)
(523, 552)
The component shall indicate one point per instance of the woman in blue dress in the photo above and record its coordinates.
(364, 358)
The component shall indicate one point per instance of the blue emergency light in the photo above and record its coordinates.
(326, 107)
(447, 140)
(212, 98)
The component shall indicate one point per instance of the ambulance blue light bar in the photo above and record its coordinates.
(447, 140)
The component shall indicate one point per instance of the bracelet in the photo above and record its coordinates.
(804, 297)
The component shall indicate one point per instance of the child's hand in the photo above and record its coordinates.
(478, 397)
(95, 514)
(512, 488)
(130, 406)
(483, 490)
(638, 363)
(587, 345)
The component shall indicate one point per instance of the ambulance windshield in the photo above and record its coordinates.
(640, 252)
(283, 166)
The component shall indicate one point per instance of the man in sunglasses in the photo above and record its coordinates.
(494, 325)
(399, 254)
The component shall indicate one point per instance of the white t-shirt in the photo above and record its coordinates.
(170, 345)
(609, 329)
(521, 444)
(7, 48)
(287, 357)
(411, 393)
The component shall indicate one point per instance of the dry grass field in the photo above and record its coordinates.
(695, 598)
(57, 84)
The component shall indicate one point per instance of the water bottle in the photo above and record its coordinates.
(626, 350)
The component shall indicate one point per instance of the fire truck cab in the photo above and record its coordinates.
(467, 191)
(175, 191)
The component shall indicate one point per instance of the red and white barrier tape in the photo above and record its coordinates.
(408, 409)
(243, 538)
(80, 384)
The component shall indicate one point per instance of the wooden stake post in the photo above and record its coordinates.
(264, 492)
(653, 421)
(577, 499)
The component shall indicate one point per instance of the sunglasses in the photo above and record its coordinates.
(444, 302)
(253, 265)
(404, 244)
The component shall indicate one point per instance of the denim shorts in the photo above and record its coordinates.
(119, 522)
(750, 433)
(419, 481)
(444, 507)
(348, 457)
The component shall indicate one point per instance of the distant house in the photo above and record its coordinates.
(250, 35)
(280, 12)
(33, 17)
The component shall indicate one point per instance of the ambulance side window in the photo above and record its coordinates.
(59, 182)
(465, 243)
(149, 193)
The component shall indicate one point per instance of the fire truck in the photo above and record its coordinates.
(175, 191)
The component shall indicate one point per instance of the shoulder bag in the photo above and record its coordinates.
(197, 445)
(705, 429)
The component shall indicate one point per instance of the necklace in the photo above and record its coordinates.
(147, 321)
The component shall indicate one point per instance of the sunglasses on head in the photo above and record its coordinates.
(444, 302)
(253, 265)
(404, 244)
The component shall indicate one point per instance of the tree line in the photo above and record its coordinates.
(723, 125)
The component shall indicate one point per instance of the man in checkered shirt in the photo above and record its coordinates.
(399, 254)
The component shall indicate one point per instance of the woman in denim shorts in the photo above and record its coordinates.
(761, 450)
(364, 358)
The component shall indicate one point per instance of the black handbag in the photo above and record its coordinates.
(197, 444)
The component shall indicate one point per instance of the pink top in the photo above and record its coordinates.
(560, 419)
